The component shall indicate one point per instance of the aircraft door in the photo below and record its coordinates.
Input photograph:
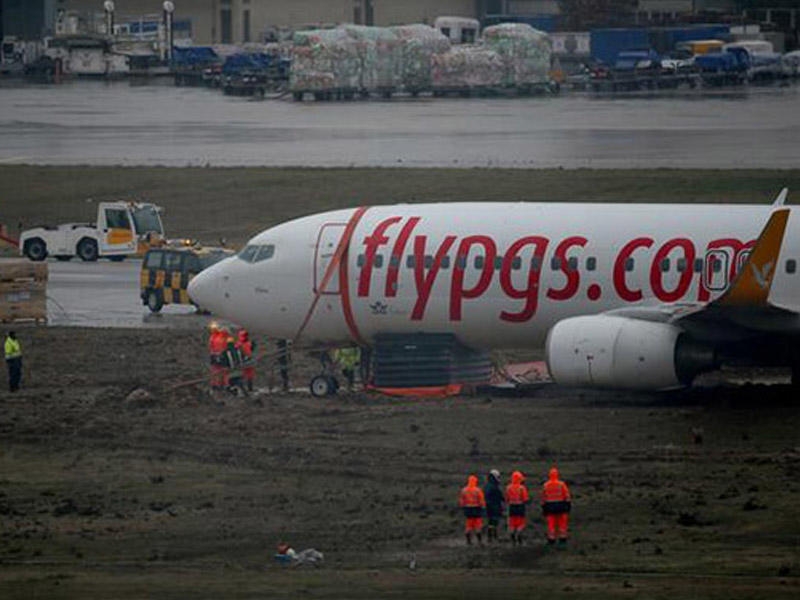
(716, 269)
(327, 242)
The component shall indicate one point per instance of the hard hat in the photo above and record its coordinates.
(495, 473)
(213, 326)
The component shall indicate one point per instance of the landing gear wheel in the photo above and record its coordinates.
(323, 385)
(154, 301)
(87, 250)
(36, 250)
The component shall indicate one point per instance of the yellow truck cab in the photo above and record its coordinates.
(167, 271)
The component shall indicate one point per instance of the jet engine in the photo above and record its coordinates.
(619, 352)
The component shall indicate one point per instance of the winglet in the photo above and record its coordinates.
(752, 285)
(780, 199)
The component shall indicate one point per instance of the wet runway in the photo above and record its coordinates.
(100, 123)
(106, 294)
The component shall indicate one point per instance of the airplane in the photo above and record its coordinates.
(622, 296)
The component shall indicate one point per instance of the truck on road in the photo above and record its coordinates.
(122, 229)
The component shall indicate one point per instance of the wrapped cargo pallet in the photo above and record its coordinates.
(418, 44)
(381, 57)
(525, 53)
(323, 61)
(466, 68)
(23, 290)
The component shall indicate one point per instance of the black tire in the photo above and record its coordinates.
(36, 249)
(323, 385)
(117, 258)
(87, 250)
(155, 302)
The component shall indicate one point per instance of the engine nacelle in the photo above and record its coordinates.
(618, 352)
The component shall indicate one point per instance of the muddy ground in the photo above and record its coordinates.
(173, 492)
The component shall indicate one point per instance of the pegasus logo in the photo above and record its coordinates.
(762, 275)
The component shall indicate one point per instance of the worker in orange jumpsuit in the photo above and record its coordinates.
(246, 348)
(216, 347)
(556, 504)
(517, 499)
(472, 501)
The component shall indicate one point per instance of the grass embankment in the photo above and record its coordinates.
(235, 203)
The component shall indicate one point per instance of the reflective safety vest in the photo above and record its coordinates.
(12, 348)
(348, 358)
(472, 501)
(516, 498)
(555, 497)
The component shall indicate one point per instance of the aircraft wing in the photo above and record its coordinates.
(745, 306)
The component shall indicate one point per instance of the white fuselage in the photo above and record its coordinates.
(497, 275)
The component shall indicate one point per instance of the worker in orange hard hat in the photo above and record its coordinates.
(216, 347)
(556, 504)
(472, 501)
(517, 498)
(246, 348)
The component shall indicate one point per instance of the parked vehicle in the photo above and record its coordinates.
(122, 229)
(167, 271)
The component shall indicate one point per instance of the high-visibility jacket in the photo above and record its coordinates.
(471, 499)
(348, 358)
(517, 498)
(12, 348)
(246, 348)
(555, 495)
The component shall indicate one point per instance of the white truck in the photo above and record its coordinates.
(122, 229)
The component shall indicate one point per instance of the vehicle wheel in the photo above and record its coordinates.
(154, 301)
(323, 385)
(117, 258)
(87, 250)
(36, 249)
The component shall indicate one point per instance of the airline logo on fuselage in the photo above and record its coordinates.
(519, 265)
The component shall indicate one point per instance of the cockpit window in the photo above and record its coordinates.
(255, 253)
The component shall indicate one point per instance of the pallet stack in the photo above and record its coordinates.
(23, 290)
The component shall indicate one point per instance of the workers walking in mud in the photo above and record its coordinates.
(246, 348)
(217, 341)
(517, 498)
(556, 504)
(348, 360)
(13, 355)
(495, 502)
(473, 503)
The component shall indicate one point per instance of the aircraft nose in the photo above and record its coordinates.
(205, 289)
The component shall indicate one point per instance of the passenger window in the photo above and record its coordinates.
(378, 261)
(516, 264)
(716, 265)
(629, 264)
(698, 265)
(536, 263)
(428, 261)
(591, 263)
(394, 261)
(461, 262)
(154, 260)
(173, 261)
(361, 260)
(681, 265)
(265, 253)
(791, 266)
(410, 262)
(665, 265)
(445, 262)
(479, 260)
(572, 264)
(555, 263)
(498, 263)
(248, 253)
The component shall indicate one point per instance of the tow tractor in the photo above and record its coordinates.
(122, 229)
